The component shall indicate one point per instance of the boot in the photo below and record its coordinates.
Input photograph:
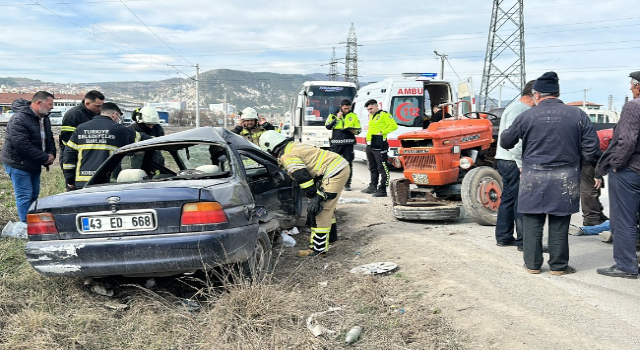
(333, 234)
(347, 187)
(370, 189)
(380, 192)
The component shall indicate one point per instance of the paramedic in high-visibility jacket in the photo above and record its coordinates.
(321, 175)
(381, 123)
(345, 125)
(93, 142)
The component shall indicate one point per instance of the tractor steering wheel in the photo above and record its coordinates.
(490, 116)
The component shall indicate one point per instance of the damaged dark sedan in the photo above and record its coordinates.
(188, 201)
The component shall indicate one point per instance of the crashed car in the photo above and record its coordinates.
(175, 204)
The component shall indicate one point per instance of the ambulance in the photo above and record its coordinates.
(409, 99)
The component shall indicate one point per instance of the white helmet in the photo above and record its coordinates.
(249, 114)
(148, 115)
(270, 139)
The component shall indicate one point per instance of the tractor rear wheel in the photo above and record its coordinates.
(481, 190)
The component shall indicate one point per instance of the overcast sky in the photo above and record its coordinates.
(590, 44)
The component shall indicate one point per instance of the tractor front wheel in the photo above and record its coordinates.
(481, 191)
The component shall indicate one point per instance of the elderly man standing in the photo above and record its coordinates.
(28, 146)
(509, 164)
(622, 162)
(554, 137)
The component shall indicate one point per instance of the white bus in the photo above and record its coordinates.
(311, 105)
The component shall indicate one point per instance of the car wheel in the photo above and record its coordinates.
(481, 190)
(259, 264)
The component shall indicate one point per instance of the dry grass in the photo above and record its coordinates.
(39, 312)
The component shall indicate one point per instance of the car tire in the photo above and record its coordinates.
(256, 268)
(427, 212)
(481, 191)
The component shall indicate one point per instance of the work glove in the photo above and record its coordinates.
(316, 204)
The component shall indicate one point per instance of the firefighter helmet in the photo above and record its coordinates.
(148, 115)
(270, 139)
(249, 114)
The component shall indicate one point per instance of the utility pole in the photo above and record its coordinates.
(584, 102)
(224, 106)
(197, 95)
(610, 102)
(500, 96)
(442, 58)
(504, 59)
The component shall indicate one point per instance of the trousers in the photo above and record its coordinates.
(378, 168)
(509, 220)
(320, 232)
(624, 200)
(26, 188)
(346, 151)
(533, 225)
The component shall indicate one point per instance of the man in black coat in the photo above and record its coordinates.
(621, 161)
(28, 146)
(89, 108)
(554, 138)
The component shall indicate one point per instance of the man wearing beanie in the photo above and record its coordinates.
(554, 138)
(621, 161)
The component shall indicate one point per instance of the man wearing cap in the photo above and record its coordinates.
(345, 125)
(554, 138)
(621, 161)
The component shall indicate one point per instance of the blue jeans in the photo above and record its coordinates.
(595, 230)
(26, 186)
(509, 220)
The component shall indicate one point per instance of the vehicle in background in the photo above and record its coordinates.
(311, 105)
(409, 99)
(285, 129)
(216, 200)
(164, 116)
(55, 116)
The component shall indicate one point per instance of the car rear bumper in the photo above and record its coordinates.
(150, 255)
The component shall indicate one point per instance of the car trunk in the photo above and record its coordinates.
(120, 210)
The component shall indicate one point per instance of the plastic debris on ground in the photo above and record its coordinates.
(189, 305)
(353, 335)
(287, 240)
(343, 200)
(15, 230)
(375, 268)
(116, 307)
(293, 231)
(317, 329)
(100, 290)
(323, 284)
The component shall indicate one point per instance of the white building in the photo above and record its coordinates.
(169, 105)
(596, 114)
(219, 107)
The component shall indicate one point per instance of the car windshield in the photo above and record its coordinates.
(324, 100)
(175, 161)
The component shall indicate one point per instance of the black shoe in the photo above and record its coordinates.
(508, 244)
(520, 249)
(347, 187)
(370, 189)
(614, 271)
(380, 193)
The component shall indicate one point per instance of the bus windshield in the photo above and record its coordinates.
(325, 100)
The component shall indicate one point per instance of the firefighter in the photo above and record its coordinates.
(147, 121)
(345, 125)
(322, 176)
(250, 128)
(92, 143)
(89, 108)
(381, 123)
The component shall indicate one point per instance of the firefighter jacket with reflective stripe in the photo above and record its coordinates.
(304, 163)
(381, 122)
(344, 129)
(74, 117)
(253, 134)
(91, 144)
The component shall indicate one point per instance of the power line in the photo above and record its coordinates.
(152, 32)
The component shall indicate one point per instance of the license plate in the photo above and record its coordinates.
(118, 222)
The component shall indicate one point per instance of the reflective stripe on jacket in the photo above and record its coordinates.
(381, 122)
(318, 162)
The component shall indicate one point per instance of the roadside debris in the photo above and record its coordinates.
(353, 335)
(375, 268)
(323, 284)
(116, 307)
(343, 200)
(100, 290)
(287, 240)
(292, 232)
(315, 328)
(189, 305)
(15, 230)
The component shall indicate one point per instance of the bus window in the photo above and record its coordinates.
(325, 100)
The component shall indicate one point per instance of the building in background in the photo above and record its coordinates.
(595, 113)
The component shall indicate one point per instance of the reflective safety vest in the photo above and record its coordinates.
(381, 122)
(301, 158)
(342, 128)
(253, 135)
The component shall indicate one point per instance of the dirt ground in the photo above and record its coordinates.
(482, 289)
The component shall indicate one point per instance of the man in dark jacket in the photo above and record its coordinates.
(622, 162)
(28, 146)
(554, 138)
(92, 143)
(89, 108)
(345, 125)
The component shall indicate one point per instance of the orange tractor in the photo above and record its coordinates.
(449, 161)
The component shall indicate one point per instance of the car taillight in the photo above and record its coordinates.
(41, 224)
(202, 213)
